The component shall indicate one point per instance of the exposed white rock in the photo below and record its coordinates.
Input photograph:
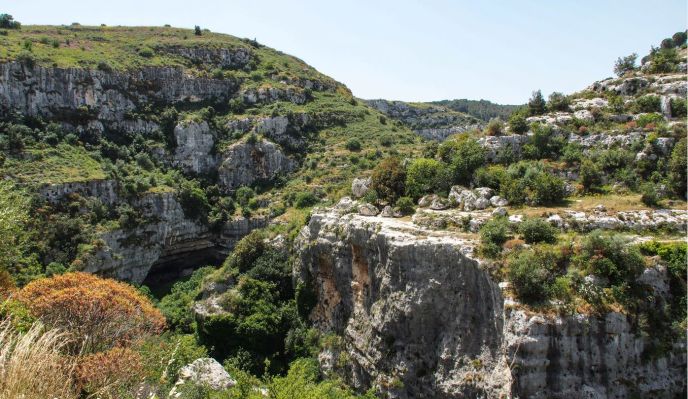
(500, 211)
(584, 115)
(484, 192)
(243, 163)
(195, 142)
(387, 212)
(368, 210)
(360, 186)
(496, 200)
(204, 372)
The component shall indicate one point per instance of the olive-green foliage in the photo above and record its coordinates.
(353, 145)
(610, 257)
(389, 179)
(405, 205)
(558, 102)
(246, 251)
(572, 153)
(651, 118)
(530, 183)
(193, 200)
(304, 199)
(495, 127)
(517, 121)
(677, 168)
(14, 214)
(490, 176)
(493, 235)
(425, 176)
(664, 60)
(8, 22)
(679, 38)
(625, 64)
(464, 156)
(533, 273)
(544, 143)
(537, 104)
(679, 107)
(164, 355)
(536, 230)
(176, 306)
(590, 175)
(648, 103)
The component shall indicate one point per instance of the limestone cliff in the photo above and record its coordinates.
(421, 318)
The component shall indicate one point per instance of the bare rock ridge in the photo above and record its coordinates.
(422, 319)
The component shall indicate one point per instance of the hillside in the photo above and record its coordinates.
(194, 215)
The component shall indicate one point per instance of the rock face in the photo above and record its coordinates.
(204, 372)
(420, 318)
(244, 163)
(433, 122)
(195, 143)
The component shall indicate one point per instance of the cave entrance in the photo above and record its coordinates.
(176, 267)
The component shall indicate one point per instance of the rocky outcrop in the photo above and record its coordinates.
(433, 122)
(244, 163)
(205, 372)
(421, 318)
(193, 152)
(104, 190)
(100, 99)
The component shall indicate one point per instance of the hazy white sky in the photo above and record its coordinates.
(413, 50)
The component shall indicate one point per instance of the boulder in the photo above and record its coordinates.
(427, 200)
(387, 212)
(205, 372)
(468, 200)
(482, 203)
(346, 205)
(368, 210)
(438, 203)
(500, 211)
(496, 200)
(244, 163)
(584, 115)
(484, 192)
(360, 186)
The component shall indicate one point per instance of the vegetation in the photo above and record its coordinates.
(625, 64)
(481, 109)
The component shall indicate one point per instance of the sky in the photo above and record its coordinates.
(413, 50)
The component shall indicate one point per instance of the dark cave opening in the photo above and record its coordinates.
(172, 268)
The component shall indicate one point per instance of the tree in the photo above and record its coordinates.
(464, 155)
(590, 175)
(424, 176)
(495, 127)
(679, 38)
(536, 104)
(389, 179)
(8, 22)
(97, 313)
(558, 102)
(677, 169)
(197, 30)
(625, 64)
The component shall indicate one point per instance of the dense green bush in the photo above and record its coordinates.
(464, 155)
(353, 145)
(536, 230)
(517, 122)
(389, 179)
(304, 199)
(590, 175)
(176, 306)
(678, 107)
(493, 235)
(490, 176)
(572, 153)
(610, 257)
(647, 119)
(405, 205)
(558, 102)
(625, 64)
(649, 195)
(425, 176)
(193, 200)
(494, 128)
(544, 143)
(677, 168)
(664, 60)
(532, 275)
(243, 195)
(648, 103)
(8, 22)
(679, 38)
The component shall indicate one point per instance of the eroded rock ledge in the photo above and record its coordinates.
(420, 318)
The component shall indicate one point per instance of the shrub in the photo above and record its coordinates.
(572, 153)
(246, 251)
(536, 104)
(546, 189)
(493, 235)
(530, 275)
(648, 104)
(678, 107)
(647, 119)
(677, 169)
(305, 199)
(490, 176)
(536, 230)
(405, 205)
(464, 156)
(625, 64)
(353, 145)
(389, 179)
(109, 373)
(590, 175)
(176, 306)
(544, 143)
(517, 121)
(197, 30)
(558, 102)
(664, 60)
(649, 195)
(96, 313)
(14, 204)
(610, 257)
(495, 127)
(243, 195)
(667, 43)
(424, 176)
(193, 200)
(32, 364)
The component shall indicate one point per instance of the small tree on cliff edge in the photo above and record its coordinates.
(197, 30)
(536, 104)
